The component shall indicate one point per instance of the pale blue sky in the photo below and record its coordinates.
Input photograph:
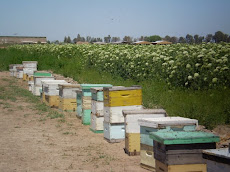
(98, 18)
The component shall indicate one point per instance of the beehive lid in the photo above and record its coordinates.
(218, 155)
(96, 89)
(78, 91)
(29, 61)
(120, 88)
(68, 85)
(184, 137)
(143, 111)
(88, 86)
(42, 74)
(44, 77)
(166, 121)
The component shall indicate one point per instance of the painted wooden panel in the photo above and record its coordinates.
(114, 114)
(114, 131)
(85, 119)
(161, 167)
(132, 142)
(219, 155)
(86, 102)
(213, 166)
(67, 104)
(68, 90)
(147, 156)
(168, 121)
(185, 137)
(86, 88)
(42, 73)
(131, 120)
(29, 64)
(145, 131)
(97, 108)
(97, 94)
(36, 91)
(29, 70)
(24, 76)
(38, 80)
(96, 123)
(79, 103)
(52, 101)
(123, 98)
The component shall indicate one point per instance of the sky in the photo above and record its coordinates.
(56, 19)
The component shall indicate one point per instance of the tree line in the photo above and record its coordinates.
(219, 36)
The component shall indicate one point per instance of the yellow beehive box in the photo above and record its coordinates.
(24, 76)
(122, 96)
(52, 101)
(132, 143)
(67, 104)
(161, 167)
(147, 157)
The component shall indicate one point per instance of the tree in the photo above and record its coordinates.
(65, 39)
(182, 40)
(200, 39)
(127, 39)
(115, 39)
(68, 39)
(167, 38)
(208, 38)
(173, 39)
(189, 39)
(88, 38)
(196, 39)
(219, 36)
(153, 38)
(141, 38)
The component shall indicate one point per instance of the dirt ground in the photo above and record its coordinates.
(31, 141)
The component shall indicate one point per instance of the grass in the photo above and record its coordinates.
(210, 107)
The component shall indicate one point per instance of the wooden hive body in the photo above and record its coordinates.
(66, 104)
(52, 101)
(68, 91)
(97, 108)
(96, 123)
(132, 129)
(114, 132)
(147, 157)
(29, 64)
(97, 94)
(160, 125)
(79, 103)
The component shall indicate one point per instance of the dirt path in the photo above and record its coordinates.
(31, 141)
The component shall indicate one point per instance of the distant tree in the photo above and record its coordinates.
(48, 42)
(173, 39)
(153, 38)
(56, 42)
(182, 40)
(88, 38)
(228, 39)
(65, 39)
(200, 39)
(107, 39)
(219, 36)
(115, 39)
(167, 38)
(78, 39)
(68, 39)
(135, 40)
(141, 38)
(98, 39)
(196, 39)
(127, 39)
(208, 38)
(189, 39)
(75, 40)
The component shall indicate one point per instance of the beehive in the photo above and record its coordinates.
(67, 97)
(86, 101)
(161, 167)
(79, 103)
(160, 125)
(13, 69)
(27, 71)
(19, 72)
(181, 147)
(218, 160)
(97, 106)
(38, 83)
(51, 91)
(40, 73)
(114, 132)
(29, 64)
(132, 129)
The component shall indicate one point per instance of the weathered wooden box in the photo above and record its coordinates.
(114, 132)
(147, 157)
(68, 91)
(97, 108)
(97, 94)
(218, 160)
(96, 123)
(67, 104)
(160, 125)
(50, 87)
(52, 101)
(86, 88)
(181, 147)
(161, 167)
(85, 119)
(38, 83)
(13, 69)
(79, 103)
(29, 64)
(115, 115)
(132, 129)
(19, 72)
(122, 96)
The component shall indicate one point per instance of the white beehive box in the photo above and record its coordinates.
(132, 116)
(38, 79)
(19, 72)
(30, 64)
(97, 108)
(50, 87)
(14, 69)
(29, 70)
(68, 91)
(114, 114)
(96, 123)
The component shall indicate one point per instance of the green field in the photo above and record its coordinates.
(186, 80)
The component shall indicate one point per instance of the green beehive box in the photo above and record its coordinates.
(42, 74)
(182, 137)
(97, 94)
(86, 88)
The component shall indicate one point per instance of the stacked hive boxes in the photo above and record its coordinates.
(51, 91)
(19, 72)
(79, 103)
(218, 160)
(36, 84)
(97, 107)
(86, 101)
(182, 151)
(117, 99)
(13, 69)
(29, 67)
(159, 125)
(67, 97)
(132, 129)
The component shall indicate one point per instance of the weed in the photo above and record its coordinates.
(42, 119)
(66, 133)
(20, 107)
(58, 125)
(61, 120)
(55, 114)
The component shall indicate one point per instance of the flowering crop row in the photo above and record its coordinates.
(196, 66)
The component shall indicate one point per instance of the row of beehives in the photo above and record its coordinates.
(163, 143)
